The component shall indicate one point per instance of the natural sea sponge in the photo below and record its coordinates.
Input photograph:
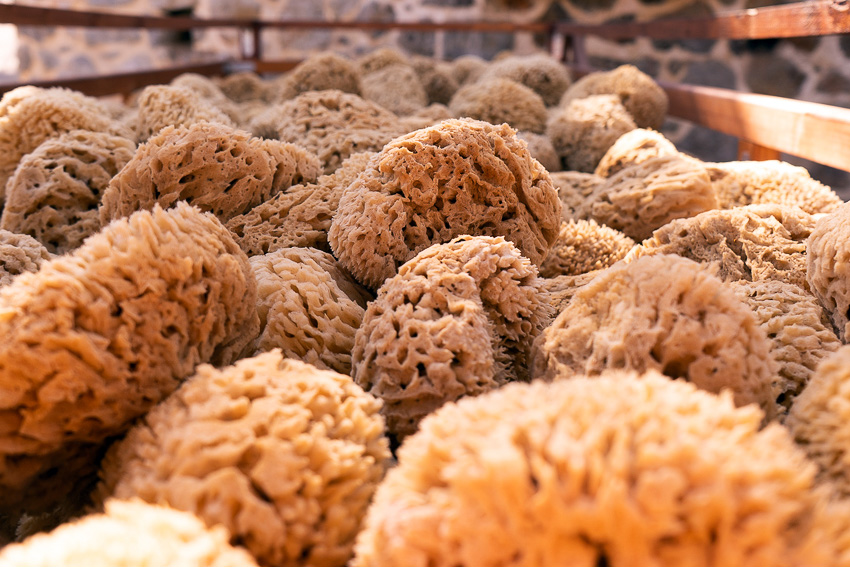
(574, 190)
(96, 337)
(798, 327)
(500, 100)
(641, 198)
(380, 58)
(437, 79)
(584, 130)
(642, 97)
(741, 183)
(458, 177)
(309, 307)
(214, 167)
(561, 289)
(283, 455)
(633, 148)
(664, 313)
(541, 149)
(331, 124)
(425, 117)
(245, 86)
(457, 320)
(468, 68)
(396, 88)
(753, 243)
(618, 470)
(541, 73)
(819, 419)
(204, 86)
(31, 115)
(55, 193)
(584, 246)
(298, 216)
(19, 254)
(320, 72)
(130, 534)
(828, 267)
(163, 105)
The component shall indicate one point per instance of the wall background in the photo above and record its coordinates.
(815, 69)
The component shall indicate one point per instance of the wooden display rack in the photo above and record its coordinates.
(764, 125)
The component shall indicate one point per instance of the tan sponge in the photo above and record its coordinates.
(828, 267)
(283, 455)
(19, 253)
(95, 338)
(458, 177)
(617, 470)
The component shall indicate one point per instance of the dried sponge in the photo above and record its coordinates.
(820, 418)
(498, 100)
(437, 79)
(331, 124)
(457, 320)
(320, 72)
(618, 470)
(309, 307)
(664, 313)
(95, 338)
(583, 131)
(541, 73)
(584, 246)
(633, 148)
(753, 243)
(212, 166)
(541, 149)
(646, 196)
(297, 216)
(798, 327)
(458, 177)
(55, 193)
(284, 455)
(642, 97)
(561, 289)
(828, 267)
(31, 115)
(245, 86)
(379, 58)
(19, 253)
(741, 183)
(130, 534)
(468, 68)
(574, 189)
(165, 105)
(396, 88)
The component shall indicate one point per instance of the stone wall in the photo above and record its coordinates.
(815, 69)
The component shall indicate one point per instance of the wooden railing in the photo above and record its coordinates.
(765, 125)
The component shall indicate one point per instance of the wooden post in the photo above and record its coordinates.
(749, 151)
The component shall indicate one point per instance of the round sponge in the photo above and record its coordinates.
(828, 267)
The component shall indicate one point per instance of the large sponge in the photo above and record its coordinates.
(298, 216)
(663, 313)
(309, 307)
(458, 177)
(320, 72)
(739, 183)
(396, 88)
(164, 105)
(642, 97)
(130, 534)
(498, 100)
(31, 115)
(633, 148)
(19, 253)
(584, 246)
(753, 243)
(543, 74)
(212, 166)
(828, 267)
(457, 320)
(55, 193)
(283, 455)
(583, 131)
(616, 471)
(95, 338)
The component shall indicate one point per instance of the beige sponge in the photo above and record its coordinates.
(828, 267)
(664, 313)
(618, 470)
(396, 88)
(309, 307)
(633, 148)
(19, 253)
(165, 105)
(130, 534)
(283, 455)
(97, 337)
(458, 177)
(212, 166)
(584, 246)
(496, 100)
(56, 191)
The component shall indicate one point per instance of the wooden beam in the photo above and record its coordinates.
(32, 16)
(122, 83)
(818, 132)
(509, 27)
(801, 19)
(750, 151)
